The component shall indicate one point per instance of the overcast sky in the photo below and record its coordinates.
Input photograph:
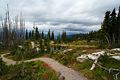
(70, 15)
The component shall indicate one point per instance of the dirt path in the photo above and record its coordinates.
(68, 73)
(71, 45)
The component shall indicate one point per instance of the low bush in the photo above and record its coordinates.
(30, 71)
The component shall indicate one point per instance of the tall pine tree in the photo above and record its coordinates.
(114, 29)
(111, 27)
(64, 36)
(106, 26)
(52, 37)
(30, 34)
(26, 34)
(48, 35)
(42, 35)
(118, 24)
(36, 33)
(33, 34)
(58, 38)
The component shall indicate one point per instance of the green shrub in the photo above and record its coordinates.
(31, 71)
(3, 68)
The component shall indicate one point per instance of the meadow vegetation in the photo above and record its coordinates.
(27, 71)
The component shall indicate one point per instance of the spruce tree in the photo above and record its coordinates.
(64, 36)
(111, 27)
(114, 29)
(48, 35)
(58, 38)
(30, 34)
(106, 31)
(41, 45)
(26, 34)
(118, 24)
(36, 33)
(106, 23)
(42, 35)
(52, 37)
(33, 34)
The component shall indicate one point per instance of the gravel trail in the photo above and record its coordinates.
(68, 73)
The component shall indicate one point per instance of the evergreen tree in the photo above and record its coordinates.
(48, 34)
(48, 44)
(42, 35)
(45, 41)
(58, 38)
(106, 29)
(106, 26)
(64, 36)
(26, 34)
(30, 34)
(41, 45)
(114, 29)
(33, 34)
(111, 27)
(48, 40)
(52, 37)
(118, 24)
(36, 33)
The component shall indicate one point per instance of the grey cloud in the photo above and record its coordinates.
(81, 28)
(85, 13)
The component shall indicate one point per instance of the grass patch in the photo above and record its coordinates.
(30, 71)
(34, 55)
(69, 59)
(3, 51)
